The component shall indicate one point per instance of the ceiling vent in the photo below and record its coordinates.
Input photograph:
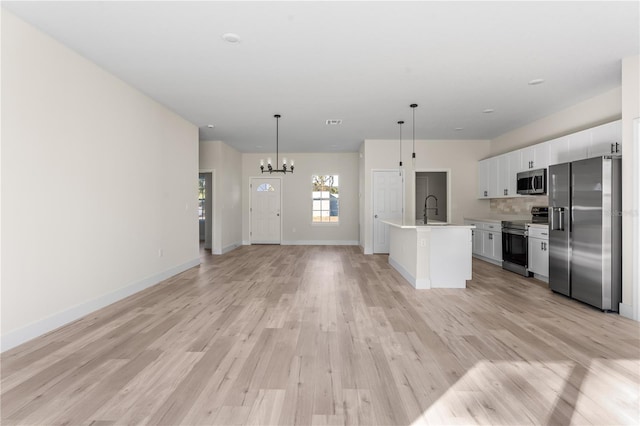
(334, 122)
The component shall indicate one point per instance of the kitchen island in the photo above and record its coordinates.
(432, 255)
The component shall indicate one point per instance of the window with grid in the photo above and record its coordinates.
(326, 199)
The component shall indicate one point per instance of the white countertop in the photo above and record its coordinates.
(538, 225)
(434, 225)
(498, 219)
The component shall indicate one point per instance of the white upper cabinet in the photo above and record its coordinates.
(579, 145)
(497, 175)
(534, 157)
(515, 159)
(503, 175)
(508, 167)
(483, 179)
(606, 139)
(488, 178)
(559, 150)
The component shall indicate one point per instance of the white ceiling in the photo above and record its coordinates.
(362, 62)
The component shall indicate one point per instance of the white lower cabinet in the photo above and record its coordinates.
(538, 251)
(487, 240)
(492, 245)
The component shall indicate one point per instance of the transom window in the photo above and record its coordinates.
(265, 187)
(326, 199)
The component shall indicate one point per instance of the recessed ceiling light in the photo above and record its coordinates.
(459, 128)
(211, 126)
(536, 81)
(231, 37)
(258, 146)
(488, 111)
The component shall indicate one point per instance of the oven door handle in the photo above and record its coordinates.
(514, 231)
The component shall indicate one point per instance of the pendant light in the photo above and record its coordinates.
(400, 123)
(413, 154)
(270, 168)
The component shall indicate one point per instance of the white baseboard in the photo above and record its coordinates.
(488, 260)
(38, 328)
(401, 269)
(320, 243)
(541, 278)
(625, 310)
(419, 284)
(230, 247)
(246, 242)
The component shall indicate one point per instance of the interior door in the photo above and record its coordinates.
(265, 211)
(387, 204)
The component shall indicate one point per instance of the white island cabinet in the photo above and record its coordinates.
(431, 256)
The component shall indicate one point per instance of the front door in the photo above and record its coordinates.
(265, 210)
(387, 204)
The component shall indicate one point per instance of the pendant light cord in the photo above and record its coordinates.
(277, 137)
(413, 154)
(400, 123)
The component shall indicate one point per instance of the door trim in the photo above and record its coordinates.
(448, 172)
(216, 246)
(251, 180)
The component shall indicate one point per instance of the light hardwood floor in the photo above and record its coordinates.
(325, 335)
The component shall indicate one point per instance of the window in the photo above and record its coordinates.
(265, 187)
(326, 199)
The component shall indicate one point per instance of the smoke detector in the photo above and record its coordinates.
(334, 122)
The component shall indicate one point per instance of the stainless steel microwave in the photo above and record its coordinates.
(532, 182)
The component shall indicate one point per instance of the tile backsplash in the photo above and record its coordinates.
(517, 206)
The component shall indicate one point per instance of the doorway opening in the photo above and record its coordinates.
(432, 197)
(205, 209)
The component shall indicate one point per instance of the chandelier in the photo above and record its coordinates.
(269, 167)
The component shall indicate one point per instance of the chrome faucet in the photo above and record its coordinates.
(424, 212)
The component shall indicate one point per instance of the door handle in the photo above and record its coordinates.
(375, 217)
(277, 214)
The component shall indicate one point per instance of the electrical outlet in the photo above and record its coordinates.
(423, 242)
(160, 252)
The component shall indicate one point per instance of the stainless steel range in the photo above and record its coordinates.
(514, 241)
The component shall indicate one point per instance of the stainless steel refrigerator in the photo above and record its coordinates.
(585, 231)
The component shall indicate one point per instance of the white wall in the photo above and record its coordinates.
(630, 111)
(458, 157)
(96, 179)
(227, 193)
(598, 110)
(296, 197)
